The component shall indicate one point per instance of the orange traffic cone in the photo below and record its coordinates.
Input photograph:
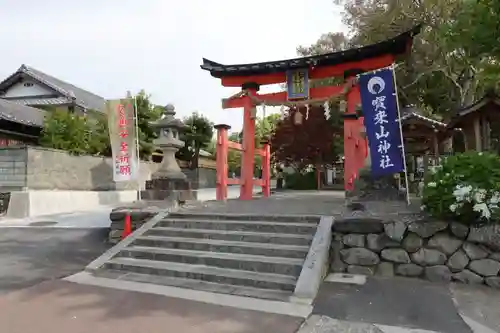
(127, 228)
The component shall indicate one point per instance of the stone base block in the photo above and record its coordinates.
(168, 189)
(369, 188)
(140, 212)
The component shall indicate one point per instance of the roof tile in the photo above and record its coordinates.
(21, 114)
(83, 97)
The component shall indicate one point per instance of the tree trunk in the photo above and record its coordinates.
(318, 177)
(195, 159)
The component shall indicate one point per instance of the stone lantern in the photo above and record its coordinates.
(168, 181)
(168, 129)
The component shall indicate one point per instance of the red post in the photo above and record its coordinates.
(354, 154)
(127, 226)
(247, 161)
(266, 169)
(221, 161)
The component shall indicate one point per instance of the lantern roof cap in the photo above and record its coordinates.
(168, 119)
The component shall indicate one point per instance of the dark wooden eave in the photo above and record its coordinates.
(21, 114)
(22, 132)
(396, 46)
(489, 98)
(422, 120)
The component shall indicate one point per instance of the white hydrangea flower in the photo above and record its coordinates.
(495, 198)
(422, 208)
(483, 209)
(462, 193)
(434, 169)
(431, 184)
(479, 195)
(453, 207)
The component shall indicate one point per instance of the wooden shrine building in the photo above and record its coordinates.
(421, 134)
(424, 140)
(471, 126)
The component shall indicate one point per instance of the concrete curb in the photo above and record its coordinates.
(252, 217)
(101, 260)
(316, 262)
(318, 324)
(473, 325)
(241, 302)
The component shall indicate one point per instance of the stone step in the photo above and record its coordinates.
(277, 295)
(244, 236)
(236, 225)
(203, 273)
(245, 217)
(265, 264)
(214, 245)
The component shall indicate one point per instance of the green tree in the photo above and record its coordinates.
(477, 27)
(90, 135)
(234, 156)
(438, 77)
(328, 42)
(476, 31)
(234, 161)
(212, 147)
(67, 131)
(264, 127)
(147, 113)
(198, 135)
(99, 141)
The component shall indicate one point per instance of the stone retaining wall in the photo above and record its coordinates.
(138, 216)
(433, 250)
(140, 212)
(38, 168)
(49, 169)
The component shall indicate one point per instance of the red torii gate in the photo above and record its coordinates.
(297, 73)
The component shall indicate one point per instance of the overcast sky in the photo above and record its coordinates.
(111, 46)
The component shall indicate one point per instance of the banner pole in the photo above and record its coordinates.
(407, 185)
(136, 116)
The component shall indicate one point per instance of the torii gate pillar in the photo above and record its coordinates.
(248, 155)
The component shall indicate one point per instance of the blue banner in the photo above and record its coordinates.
(380, 112)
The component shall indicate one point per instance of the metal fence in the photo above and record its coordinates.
(13, 173)
(13, 168)
(201, 177)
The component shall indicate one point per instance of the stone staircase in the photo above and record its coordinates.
(247, 255)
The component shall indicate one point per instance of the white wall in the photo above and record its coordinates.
(21, 90)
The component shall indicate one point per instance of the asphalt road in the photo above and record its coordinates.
(50, 247)
(29, 256)
(401, 302)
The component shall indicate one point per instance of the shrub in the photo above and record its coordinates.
(76, 134)
(301, 181)
(466, 188)
(66, 131)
